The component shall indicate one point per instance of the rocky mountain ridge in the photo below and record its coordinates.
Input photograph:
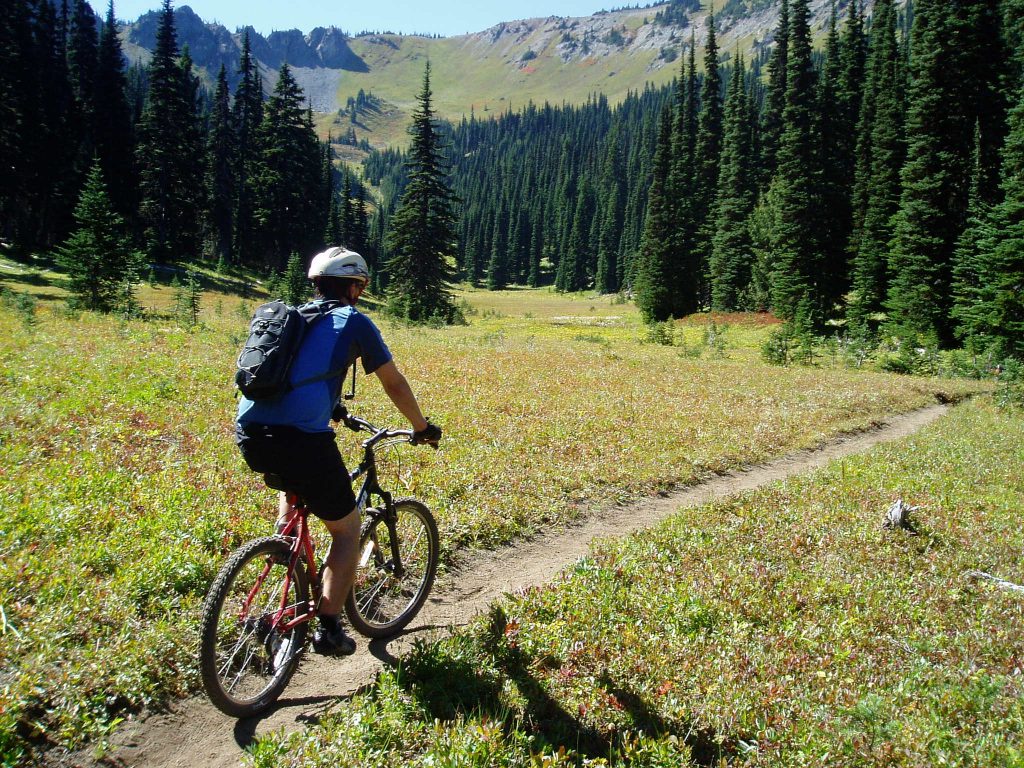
(617, 40)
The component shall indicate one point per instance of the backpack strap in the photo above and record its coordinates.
(312, 312)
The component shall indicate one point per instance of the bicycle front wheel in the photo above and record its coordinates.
(389, 591)
(246, 656)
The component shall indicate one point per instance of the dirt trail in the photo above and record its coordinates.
(194, 733)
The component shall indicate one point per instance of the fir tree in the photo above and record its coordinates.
(220, 177)
(933, 200)
(797, 261)
(654, 295)
(247, 116)
(996, 317)
(612, 212)
(167, 153)
(682, 199)
(295, 285)
(729, 267)
(423, 236)
(101, 264)
(112, 121)
(881, 149)
(82, 57)
(967, 270)
(775, 98)
(706, 166)
(287, 178)
(835, 162)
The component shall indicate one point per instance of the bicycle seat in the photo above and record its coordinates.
(275, 481)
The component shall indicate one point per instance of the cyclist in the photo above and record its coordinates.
(291, 436)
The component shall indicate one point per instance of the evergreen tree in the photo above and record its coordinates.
(881, 149)
(983, 69)
(654, 294)
(967, 269)
(220, 177)
(612, 212)
(706, 166)
(247, 114)
(49, 164)
(682, 199)
(835, 161)
(82, 57)
(797, 263)
(287, 177)
(423, 229)
(497, 276)
(729, 267)
(775, 98)
(167, 153)
(996, 317)
(15, 57)
(295, 286)
(933, 201)
(112, 121)
(101, 264)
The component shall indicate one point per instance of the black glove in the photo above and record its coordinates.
(339, 413)
(431, 435)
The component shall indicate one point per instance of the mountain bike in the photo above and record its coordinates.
(256, 614)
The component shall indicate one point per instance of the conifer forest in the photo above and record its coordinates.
(866, 181)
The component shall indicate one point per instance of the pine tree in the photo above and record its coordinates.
(835, 161)
(101, 264)
(967, 270)
(112, 121)
(82, 57)
(729, 267)
(15, 112)
(612, 211)
(797, 261)
(423, 235)
(497, 273)
(775, 98)
(996, 318)
(933, 201)
(706, 167)
(167, 152)
(295, 284)
(220, 177)
(654, 294)
(286, 182)
(682, 199)
(247, 116)
(881, 148)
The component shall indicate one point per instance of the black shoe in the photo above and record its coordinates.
(333, 643)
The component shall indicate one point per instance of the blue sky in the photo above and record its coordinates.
(424, 16)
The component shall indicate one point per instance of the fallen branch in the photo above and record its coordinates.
(1009, 586)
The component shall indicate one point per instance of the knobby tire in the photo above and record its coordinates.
(244, 661)
(382, 603)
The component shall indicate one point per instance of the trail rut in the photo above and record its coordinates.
(194, 733)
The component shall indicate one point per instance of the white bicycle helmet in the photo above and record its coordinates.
(339, 262)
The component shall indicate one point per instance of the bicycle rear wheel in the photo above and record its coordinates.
(386, 597)
(245, 659)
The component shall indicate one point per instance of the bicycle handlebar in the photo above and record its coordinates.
(357, 424)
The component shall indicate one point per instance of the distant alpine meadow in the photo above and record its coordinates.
(123, 492)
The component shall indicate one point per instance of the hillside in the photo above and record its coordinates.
(554, 59)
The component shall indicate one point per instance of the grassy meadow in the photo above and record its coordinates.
(123, 492)
(781, 628)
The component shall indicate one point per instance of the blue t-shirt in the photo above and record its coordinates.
(331, 344)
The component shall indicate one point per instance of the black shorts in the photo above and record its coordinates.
(309, 462)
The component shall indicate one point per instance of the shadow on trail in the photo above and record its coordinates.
(450, 683)
(245, 728)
